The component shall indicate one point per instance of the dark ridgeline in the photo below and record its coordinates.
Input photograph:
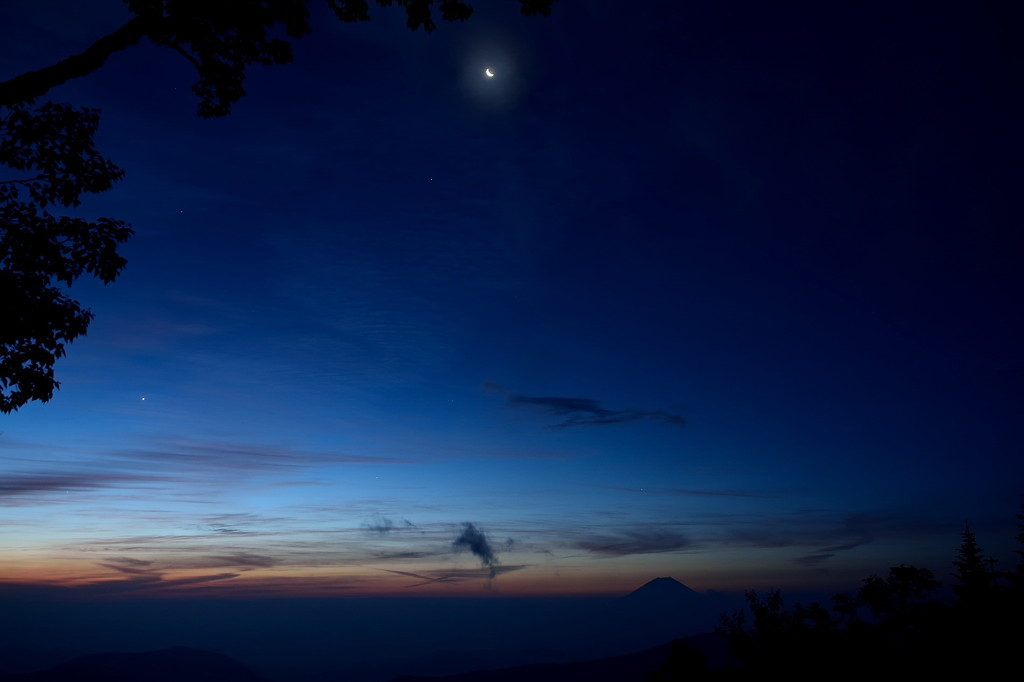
(635, 667)
(177, 664)
(627, 668)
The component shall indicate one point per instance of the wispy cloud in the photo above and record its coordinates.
(240, 457)
(17, 487)
(381, 525)
(679, 492)
(242, 560)
(634, 541)
(404, 555)
(454, 575)
(154, 583)
(573, 412)
(161, 465)
(813, 559)
(144, 575)
(853, 533)
(131, 567)
(824, 537)
(155, 569)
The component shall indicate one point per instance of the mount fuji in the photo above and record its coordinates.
(664, 589)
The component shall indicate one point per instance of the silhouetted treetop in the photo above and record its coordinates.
(222, 39)
(1020, 538)
(973, 579)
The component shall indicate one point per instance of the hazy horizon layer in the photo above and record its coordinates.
(361, 638)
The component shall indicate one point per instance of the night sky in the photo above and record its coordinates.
(715, 290)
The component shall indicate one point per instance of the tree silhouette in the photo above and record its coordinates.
(974, 582)
(49, 152)
(1020, 540)
(1015, 577)
(52, 146)
(795, 642)
(907, 634)
(892, 599)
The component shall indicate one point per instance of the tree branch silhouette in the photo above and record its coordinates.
(221, 40)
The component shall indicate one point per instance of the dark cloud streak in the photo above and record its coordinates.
(575, 412)
(211, 455)
(635, 542)
(813, 559)
(476, 542)
(454, 575)
(381, 525)
(243, 560)
(677, 492)
(25, 484)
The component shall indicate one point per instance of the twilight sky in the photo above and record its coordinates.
(700, 289)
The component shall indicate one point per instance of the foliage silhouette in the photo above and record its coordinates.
(895, 599)
(780, 641)
(52, 146)
(1017, 577)
(894, 625)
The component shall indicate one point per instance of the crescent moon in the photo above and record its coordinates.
(488, 72)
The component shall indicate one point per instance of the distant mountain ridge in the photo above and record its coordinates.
(176, 664)
(626, 668)
(633, 667)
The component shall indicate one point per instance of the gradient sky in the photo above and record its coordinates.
(703, 289)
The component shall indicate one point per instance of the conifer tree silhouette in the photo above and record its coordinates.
(974, 581)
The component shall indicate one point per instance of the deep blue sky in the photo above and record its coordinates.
(705, 289)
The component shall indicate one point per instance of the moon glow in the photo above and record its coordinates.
(488, 72)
